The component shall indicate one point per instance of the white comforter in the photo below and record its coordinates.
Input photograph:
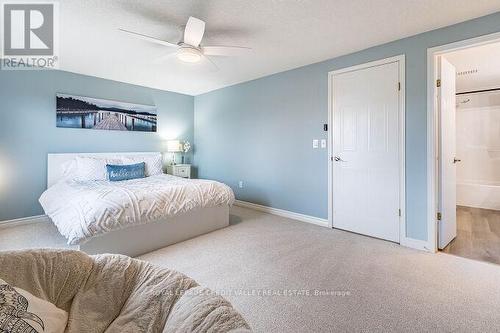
(84, 209)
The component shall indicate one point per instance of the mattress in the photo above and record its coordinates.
(82, 210)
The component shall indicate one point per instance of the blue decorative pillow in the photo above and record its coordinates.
(125, 172)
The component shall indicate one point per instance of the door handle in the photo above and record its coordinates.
(455, 160)
(338, 159)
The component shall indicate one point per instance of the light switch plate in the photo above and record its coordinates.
(315, 143)
(323, 143)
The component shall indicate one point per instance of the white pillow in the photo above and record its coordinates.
(33, 312)
(92, 168)
(154, 163)
(69, 168)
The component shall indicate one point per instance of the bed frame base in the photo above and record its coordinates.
(137, 240)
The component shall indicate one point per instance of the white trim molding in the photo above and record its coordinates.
(432, 128)
(283, 213)
(24, 221)
(415, 244)
(401, 60)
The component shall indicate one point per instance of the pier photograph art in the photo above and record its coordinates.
(101, 114)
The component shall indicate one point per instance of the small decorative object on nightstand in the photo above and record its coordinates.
(179, 170)
(186, 147)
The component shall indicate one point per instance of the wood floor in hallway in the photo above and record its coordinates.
(478, 235)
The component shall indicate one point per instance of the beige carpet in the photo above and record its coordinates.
(374, 285)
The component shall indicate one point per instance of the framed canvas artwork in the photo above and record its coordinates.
(102, 114)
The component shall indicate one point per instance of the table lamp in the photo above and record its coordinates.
(174, 146)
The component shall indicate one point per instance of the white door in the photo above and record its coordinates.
(366, 174)
(447, 153)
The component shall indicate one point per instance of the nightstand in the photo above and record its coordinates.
(179, 170)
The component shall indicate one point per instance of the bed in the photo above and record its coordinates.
(131, 217)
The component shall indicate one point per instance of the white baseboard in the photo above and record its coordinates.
(408, 242)
(479, 206)
(24, 221)
(416, 244)
(284, 213)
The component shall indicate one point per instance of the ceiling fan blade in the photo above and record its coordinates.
(211, 62)
(225, 50)
(193, 34)
(164, 58)
(149, 38)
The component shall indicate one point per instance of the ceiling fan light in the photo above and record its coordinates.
(188, 54)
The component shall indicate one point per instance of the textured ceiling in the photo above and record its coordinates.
(283, 34)
(481, 66)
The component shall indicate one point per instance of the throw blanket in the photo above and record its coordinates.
(84, 209)
(114, 293)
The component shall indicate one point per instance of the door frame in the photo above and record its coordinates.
(400, 59)
(433, 128)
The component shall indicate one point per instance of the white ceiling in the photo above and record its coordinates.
(283, 34)
(485, 59)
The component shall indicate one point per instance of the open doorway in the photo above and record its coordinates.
(468, 146)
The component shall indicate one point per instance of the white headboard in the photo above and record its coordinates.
(55, 162)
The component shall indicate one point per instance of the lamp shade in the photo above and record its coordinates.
(174, 146)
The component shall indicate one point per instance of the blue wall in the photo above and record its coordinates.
(261, 131)
(28, 129)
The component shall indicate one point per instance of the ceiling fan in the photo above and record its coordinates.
(189, 49)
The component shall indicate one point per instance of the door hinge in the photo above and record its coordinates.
(438, 83)
(439, 216)
(399, 86)
(399, 212)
